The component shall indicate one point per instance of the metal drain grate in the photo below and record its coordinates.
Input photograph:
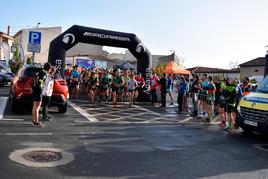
(42, 156)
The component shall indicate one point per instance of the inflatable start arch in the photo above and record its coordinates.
(76, 34)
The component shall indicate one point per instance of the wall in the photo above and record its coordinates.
(251, 71)
(85, 49)
(48, 34)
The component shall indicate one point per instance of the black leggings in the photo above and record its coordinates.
(154, 95)
(45, 103)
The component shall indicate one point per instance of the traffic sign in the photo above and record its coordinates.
(34, 44)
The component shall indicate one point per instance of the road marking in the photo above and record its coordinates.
(83, 112)
(186, 120)
(28, 134)
(152, 112)
(12, 119)
(128, 116)
(3, 103)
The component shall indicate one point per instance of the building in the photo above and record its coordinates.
(227, 73)
(5, 38)
(253, 67)
(47, 35)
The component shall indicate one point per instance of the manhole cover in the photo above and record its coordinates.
(42, 156)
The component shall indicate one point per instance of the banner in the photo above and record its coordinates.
(101, 64)
(85, 63)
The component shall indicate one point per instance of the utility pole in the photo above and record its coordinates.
(266, 62)
(34, 52)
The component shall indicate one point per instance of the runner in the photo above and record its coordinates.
(117, 81)
(124, 87)
(139, 90)
(231, 100)
(132, 85)
(104, 85)
(223, 104)
(203, 95)
(93, 82)
(75, 78)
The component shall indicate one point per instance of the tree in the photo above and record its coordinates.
(233, 64)
(15, 64)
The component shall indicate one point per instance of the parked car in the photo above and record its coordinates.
(5, 78)
(21, 90)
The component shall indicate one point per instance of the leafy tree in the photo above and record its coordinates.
(15, 64)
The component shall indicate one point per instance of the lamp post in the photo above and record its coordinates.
(34, 52)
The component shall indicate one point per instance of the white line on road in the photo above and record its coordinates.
(28, 134)
(83, 112)
(186, 120)
(3, 103)
(12, 119)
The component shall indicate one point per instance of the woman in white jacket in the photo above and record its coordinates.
(47, 93)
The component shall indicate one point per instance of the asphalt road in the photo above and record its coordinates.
(138, 142)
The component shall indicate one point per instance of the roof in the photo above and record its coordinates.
(260, 61)
(6, 36)
(212, 70)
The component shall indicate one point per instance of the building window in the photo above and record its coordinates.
(256, 70)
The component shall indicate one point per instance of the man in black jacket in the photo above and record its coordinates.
(163, 89)
(194, 92)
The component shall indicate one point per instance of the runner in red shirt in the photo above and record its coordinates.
(141, 82)
(153, 87)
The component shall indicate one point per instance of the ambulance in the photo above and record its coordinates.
(253, 110)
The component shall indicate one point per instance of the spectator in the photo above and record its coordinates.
(163, 89)
(245, 86)
(211, 88)
(153, 87)
(170, 87)
(194, 91)
(47, 93)
(38, 85)
(181, 93)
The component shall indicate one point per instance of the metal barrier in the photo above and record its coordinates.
(201, 104)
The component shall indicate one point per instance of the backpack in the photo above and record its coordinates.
(39, 79)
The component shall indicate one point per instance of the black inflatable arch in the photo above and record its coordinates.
(76, 34)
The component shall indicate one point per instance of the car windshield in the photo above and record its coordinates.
(263, 87)
(31, 72)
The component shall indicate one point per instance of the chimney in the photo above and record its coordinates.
(8, 29)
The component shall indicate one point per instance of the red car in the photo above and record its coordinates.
(21, 90)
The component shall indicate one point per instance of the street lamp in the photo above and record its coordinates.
(34, 52)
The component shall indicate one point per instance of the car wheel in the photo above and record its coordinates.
(62, 108)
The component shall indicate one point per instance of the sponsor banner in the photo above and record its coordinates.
(85, 63)
(101, 64)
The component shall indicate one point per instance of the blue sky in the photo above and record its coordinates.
(202, 32)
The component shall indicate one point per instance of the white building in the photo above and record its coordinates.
(5, 38)
(47, 35)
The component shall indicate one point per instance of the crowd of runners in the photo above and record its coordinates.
(105, 85)
(207, 96)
